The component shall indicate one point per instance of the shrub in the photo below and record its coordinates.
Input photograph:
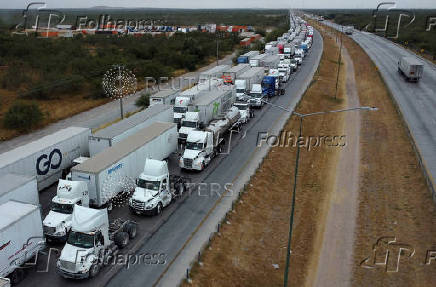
(23, 116)
(143, 101)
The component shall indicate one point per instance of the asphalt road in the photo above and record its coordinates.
(416, 101)
(171, 236)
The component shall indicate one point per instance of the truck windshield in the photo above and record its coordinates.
(62, 208)
(240, 91)
(147, 184)
(241, 107)
(189, 124)
(256, 95)
(180, 109)
(81, 240)
(194, 146)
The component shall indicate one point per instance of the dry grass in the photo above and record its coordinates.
(244, 253)
(394, 199)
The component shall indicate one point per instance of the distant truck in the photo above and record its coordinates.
(269, 88)
(48, 158)
(411, 68)
(92, 240)
(213, 73)
(256, 96)
(231, 75)
(245, 58)
(244, 82)
(164, 97)
(112, 172)
(349, 30)
(155, 188)
(19, 187)
(21, 237)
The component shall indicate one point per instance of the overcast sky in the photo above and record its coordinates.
(220, 3)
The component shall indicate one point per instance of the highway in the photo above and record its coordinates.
(416, 101)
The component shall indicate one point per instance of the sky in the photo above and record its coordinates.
(305, 4)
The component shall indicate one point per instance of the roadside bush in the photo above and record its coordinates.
(23, 116)
(143, 101)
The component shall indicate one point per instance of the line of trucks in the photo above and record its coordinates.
(126, 163)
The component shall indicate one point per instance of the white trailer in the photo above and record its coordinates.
(117, 132)
(251, 77)
(231, 75)
(21, 237)
(215, 72)
(114, 170)
(164, 97)
(257, 60)
(271, 62)
(194, 92)
(251, 54)
(20, 188)
(212, 104)
(49, 157)
(411, 68)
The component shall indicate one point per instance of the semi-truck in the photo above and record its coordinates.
(211, 105)
(180, 108)
(411, 68)
(121, 130)
(256, 96)
(21, 237)
(244, 82)
(271, 62)
(244, 111)
(213, 73)
(257, 61)
(112, 172)
(47, 158)
(231, 75)
(269, 86)
(203, 146)
(155, 188)
(92, 242)
(19, 187)
(57, 223)
(245, 58)
(164, 97)
(349, 30)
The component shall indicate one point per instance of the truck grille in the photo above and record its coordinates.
(177, 120)
(67, 265)
(139, 205)
(49, 230)
(187, 162)
(183, 136)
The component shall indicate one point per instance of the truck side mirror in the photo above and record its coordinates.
(136, 181)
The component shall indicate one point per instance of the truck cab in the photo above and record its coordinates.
(284, 72)
(240, 89)
(269, 86)
(198, 151)
(190, 122)
(244, 111)
(153, 190)
(76, 161)
(256, 96)
(180, 108)
(57, 223)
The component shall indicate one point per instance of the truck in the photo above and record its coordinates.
(164, 97)
(180, 108)
(21, 237)
(19, 187)
(155, 188)
(411, 68)
(57, 223)
(256, 96)
(231, 75)
(92, 242)
(245, 58)
(279, 90)
(269, 86)
(257, 61)
(47, 158)
(213, 73)
(203, 146)
(121, 130)
(284, 72)
(289, 51)
(244, 111)
(211, 105)
(110, 174)
(349, 30)
(246, 80)
(271, 62)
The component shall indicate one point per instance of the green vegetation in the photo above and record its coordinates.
(22, 116)
(413, 36)
(143, 101)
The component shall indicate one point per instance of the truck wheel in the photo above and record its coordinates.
(181, 189)
(130, 228)
(159, 208)
(95, 268)
(121, 239)
(17, 276)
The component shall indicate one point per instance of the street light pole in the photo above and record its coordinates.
(297, 161)
(339, 64)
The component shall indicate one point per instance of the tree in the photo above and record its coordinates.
(143, 101)
(23, 116)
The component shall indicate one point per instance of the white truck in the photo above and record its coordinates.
(21, 237)
(121, 130)
(244, 82)
(257, 61)
(164, 97)
(211, 105)
(270, 62)
(256, 96)
(244, 111)
(213, 73)
(349, 30)
(284, 72)
(180, 108)
(411, 68)
(91, 242)
(47, 158)
(155, 188)
(110, 174)
(289, 51)
(57, 223)
(19, 187)
(231, 75)
(203, 146)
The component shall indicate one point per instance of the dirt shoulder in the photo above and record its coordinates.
(251, 248)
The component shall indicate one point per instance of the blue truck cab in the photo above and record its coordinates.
(269, 86)
(243, 60)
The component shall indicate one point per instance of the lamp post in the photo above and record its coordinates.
(297, 160)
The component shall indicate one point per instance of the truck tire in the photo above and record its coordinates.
(16, 276)
(159, 208)
(181, 189)
(121, 239)
(130, 228)
(94, 270)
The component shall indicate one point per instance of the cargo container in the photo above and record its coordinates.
(166, 97)
(251, 54)
(48, 158)
(212, 104)
(257, 60)
(271, 62)
(115, 133)
(231, 75)
(20, 188)
(215, 72)
(194, 92)
(245, 81)
(21, 237)
(411, 68)
(113, 170)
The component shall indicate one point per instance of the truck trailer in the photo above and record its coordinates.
(114, 170)
(164, 97)
(119, 131)
(244, 82)
(411, 68)
(19, 187)
(231, 75)
(48, 158)
(213, 73)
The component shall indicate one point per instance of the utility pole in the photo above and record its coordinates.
(339, 63)
(121, 108)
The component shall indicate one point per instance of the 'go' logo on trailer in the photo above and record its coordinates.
(44, 163)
